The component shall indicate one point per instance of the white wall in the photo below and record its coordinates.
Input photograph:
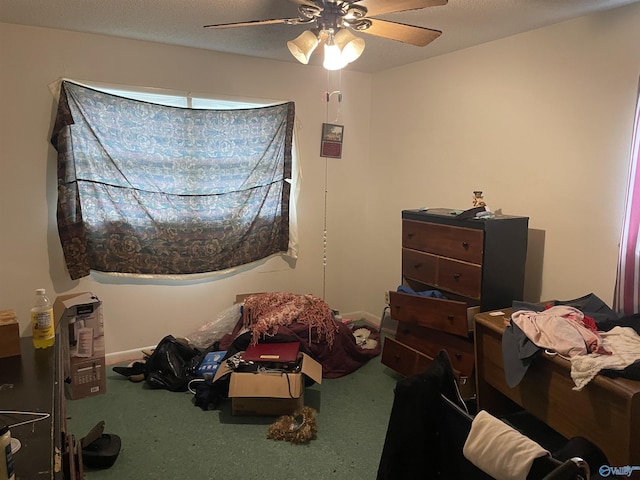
(139, 313)
(541, 122)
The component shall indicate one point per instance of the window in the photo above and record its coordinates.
(145, 188)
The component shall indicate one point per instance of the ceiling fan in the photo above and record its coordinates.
(332, 21)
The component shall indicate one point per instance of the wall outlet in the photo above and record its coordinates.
(386, 297)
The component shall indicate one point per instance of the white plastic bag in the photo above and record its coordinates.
(213, 331)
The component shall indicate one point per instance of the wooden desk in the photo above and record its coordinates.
(606, 411)
(32, 382)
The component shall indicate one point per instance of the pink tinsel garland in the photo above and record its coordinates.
(266, 312)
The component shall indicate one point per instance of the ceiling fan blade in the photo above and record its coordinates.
(379, 7)
(274, 21)
(308, 3)
(413, 35)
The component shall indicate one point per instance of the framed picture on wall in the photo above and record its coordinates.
(331, 142)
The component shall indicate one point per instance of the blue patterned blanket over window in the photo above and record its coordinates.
(151, 189)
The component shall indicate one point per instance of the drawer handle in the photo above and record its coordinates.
(410, 235)
(456, 276)
(396, 357)
(465, 245)
(417, 266)
(458, 356)
(450, 318)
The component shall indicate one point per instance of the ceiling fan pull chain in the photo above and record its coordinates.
(339, 95)
(328, 94)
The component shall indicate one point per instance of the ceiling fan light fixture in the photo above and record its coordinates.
(333, 59)
(351, 47)
(303, 46)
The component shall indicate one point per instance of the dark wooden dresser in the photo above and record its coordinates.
(477, 264)
(32, 382)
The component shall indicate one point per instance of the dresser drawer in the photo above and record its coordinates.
(445, 315)
(445, 240)
(429, 342)
(419, 266)
(404, 360)
(408, 361)
(454, 276)
(459, 277)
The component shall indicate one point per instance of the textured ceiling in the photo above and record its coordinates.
(464, 23)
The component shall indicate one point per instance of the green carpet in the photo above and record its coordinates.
(164, 436)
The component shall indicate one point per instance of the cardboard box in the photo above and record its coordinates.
(9, 334)
(79, 321)
(269, 393)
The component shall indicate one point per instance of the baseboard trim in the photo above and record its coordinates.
(369, 318)
(126, 356)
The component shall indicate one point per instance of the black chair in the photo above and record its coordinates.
(429, 425)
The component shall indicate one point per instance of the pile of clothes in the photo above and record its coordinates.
(585, 331)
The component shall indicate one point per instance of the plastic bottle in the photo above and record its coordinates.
(42, 321)
(6, 457)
